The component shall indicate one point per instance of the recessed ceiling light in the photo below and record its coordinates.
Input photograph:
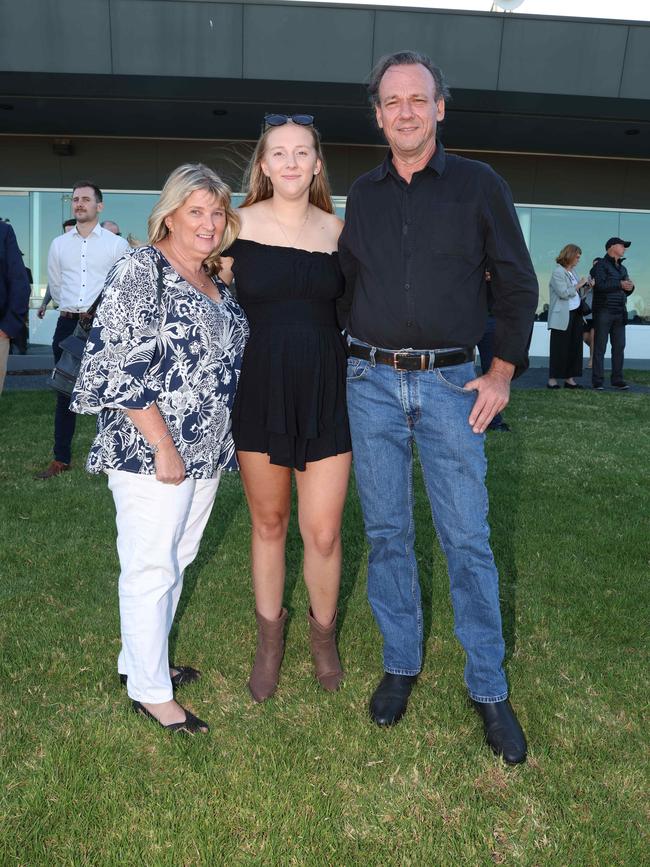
(634, 131)
(219, 112)
(4, 106)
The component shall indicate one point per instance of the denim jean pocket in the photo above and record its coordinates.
(455, 377)
(357, 368)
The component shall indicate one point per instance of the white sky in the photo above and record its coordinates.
(630, 10)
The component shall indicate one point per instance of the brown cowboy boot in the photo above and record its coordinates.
(268, 658)
(327, 665)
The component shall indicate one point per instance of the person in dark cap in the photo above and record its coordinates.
(611, 288)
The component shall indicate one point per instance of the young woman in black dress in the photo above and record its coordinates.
(290, 413)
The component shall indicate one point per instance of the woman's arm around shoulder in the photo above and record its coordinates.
(329, 228)
(337, 227)
(225, 271)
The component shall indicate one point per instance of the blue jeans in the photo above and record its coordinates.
(389, 411)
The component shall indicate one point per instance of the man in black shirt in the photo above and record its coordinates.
(419, 231)
(611, 288)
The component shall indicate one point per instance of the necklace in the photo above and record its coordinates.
(281, 227)
(199, 283)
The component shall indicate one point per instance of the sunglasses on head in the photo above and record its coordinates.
(281, 119)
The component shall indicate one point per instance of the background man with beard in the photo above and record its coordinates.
(77, 266)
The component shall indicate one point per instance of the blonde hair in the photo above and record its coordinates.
(181, 183)
(258, 187)
(568, 254)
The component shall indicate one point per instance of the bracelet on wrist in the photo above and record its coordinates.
(155, 446)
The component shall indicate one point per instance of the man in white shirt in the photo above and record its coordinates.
(77, 266)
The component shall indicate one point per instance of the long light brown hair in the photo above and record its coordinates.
(567, 255)
(182, 182)
(258, 187)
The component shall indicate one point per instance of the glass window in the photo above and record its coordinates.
(524, 215)
(636, 228)
(552, 228)
(49, 212)
(37, 216)
(15, 207)
(130, 211)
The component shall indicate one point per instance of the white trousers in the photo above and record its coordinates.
(159, 529)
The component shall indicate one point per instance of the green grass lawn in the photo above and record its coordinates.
(306, 778)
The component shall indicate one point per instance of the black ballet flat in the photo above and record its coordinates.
(572, 385)
(184, 674)
(190, 726)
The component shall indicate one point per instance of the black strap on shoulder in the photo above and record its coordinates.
(160, 280)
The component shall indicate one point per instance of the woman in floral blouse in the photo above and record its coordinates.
(160, 370)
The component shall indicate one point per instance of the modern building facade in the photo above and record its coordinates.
(122, 91)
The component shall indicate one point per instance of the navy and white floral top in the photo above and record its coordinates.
(184, 353)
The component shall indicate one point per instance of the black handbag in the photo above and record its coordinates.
(584, 309)
(66, 370)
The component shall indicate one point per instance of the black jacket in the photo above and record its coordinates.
(607, 274)
(14, 285)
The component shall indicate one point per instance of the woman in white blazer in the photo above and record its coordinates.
(565, 320)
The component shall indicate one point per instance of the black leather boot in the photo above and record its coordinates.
(502, 730)
(389, 700)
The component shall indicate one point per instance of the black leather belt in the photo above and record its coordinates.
(68, 314)
(410, 360)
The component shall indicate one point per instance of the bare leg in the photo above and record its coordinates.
(268, 491)
(322, 489)
(167, 712)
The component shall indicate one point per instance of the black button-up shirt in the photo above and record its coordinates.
(414, 256)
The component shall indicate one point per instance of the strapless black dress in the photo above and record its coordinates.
(290, 400)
